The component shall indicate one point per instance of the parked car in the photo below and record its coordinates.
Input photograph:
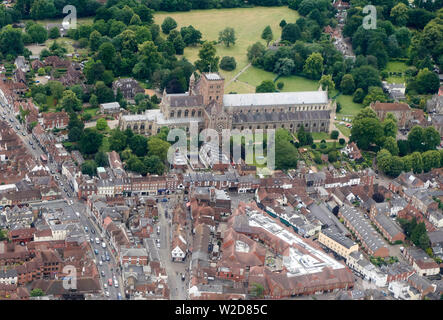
(102, 273)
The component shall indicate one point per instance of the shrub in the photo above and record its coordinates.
(280, 85)
(228, 63)
(334, 134)
(314, 146)
(341, 141)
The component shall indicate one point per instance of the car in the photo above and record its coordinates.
(100, 263)
(107, 258)
(110, 282)
(52, 171)
(23, 134)
(103, 245)
(61, 184)
(119, 296)
(107, 293)
(103, 258)
(91, 240)
(115, 284)
(92, 231)
(69, 196)
(56, 178)
(86, 229)
(65, 190)
(105, 286)
(30, 142)
(183, 276)
(97, 240)
(102, 273)
(158, 230)
(33, 148)
(157, 242)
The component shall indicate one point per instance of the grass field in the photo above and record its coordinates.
(396, 66)
(343, 129)
(248, 24)
(320, 136)
(348, 107)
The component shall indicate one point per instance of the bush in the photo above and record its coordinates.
(323, 141)
(228, 63)
(280, 85)
(83, 42)
(314, 146)
(334, 134)
(323, 146)
(341, 141)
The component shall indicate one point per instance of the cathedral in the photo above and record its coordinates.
(206, 104)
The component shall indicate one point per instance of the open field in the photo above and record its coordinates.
(248, 24)
(348, 107)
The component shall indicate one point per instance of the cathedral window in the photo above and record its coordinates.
(199, 113)
(179, 113)
(186, 113)
(172, 114)
(193, 113)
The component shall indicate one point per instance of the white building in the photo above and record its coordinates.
(403, 291)
(371, 273)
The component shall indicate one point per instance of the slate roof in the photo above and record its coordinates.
(280, 116)
(275, 98)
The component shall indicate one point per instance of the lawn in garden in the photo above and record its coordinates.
(348, 107)
(396, 66)
(320, 136)
(248, 24)
(343, 129)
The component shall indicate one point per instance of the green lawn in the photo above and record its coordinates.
(348, 107)
(343, 129)
(320, 136)
(396, 66)
(91, 111)
(253, 76)
(248, 24)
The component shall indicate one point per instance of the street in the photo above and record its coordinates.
(69, 201)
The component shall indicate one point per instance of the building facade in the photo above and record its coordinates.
(206, 105)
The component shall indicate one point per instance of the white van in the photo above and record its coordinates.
(97, 240)
(103, 244)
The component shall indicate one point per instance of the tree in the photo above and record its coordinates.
(431, 138)
(138, 145)
(341, 141)
(101, 159)
(38, 33)
(190, 35)
(101, 124)
(41, 71)
(106, 54)
(395, 167)
(255, 52)
(282, 23)
(54, 33)
(117, 140)
(158, 147)
(416, 162)
(70, 102)
(366, 132)
(179, 45)
(426, 82)
(227, 36)
(153, 165)
(228, 63)
(42, 9)
(37, 292)
(431, 159)
(326, 82)
(280, 85)
(358, 96)
(284, 66)
(313, 67)
(347, 84)
(332, 156)
(374, 94)
(399, 14)
(267, 35)
(416, 139)
(291, 32)
(11, 41)
(90, 141)
(168, 25)
(208, 60)
(93, 101)
(378, 197)
(390, 126)
(365, 77)
(334, 134)
(135, 164)
(89, 167)
(135, 20)
(265, 86)
(390, 144)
